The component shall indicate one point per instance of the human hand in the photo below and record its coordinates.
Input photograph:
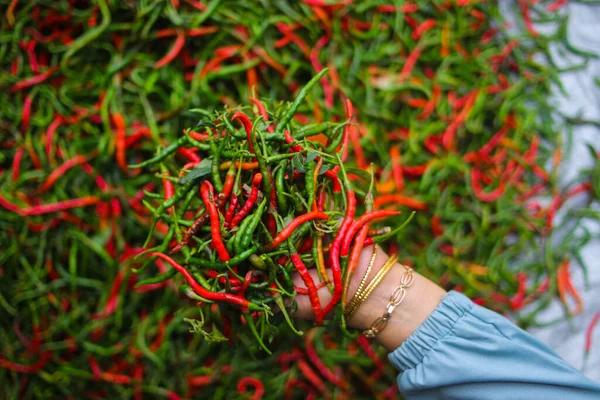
(422, 297)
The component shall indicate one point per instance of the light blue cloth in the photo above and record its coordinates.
(464, 351)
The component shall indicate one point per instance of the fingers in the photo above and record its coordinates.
(305, 310)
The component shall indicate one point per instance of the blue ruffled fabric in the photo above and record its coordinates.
(464, 351)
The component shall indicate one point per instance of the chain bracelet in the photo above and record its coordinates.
(396, 298)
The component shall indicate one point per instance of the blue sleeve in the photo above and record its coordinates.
(464, 351)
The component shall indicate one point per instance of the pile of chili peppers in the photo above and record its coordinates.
(448, 100)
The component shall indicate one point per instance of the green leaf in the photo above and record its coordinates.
(324, 169)
(201, 123)
(213, 336)
(311, 156)
(298, 163)
(199, 171)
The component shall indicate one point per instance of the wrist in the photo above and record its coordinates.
(422, 297)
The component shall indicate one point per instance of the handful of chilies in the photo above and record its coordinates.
(261, 198)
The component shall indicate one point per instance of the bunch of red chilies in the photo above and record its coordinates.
(442, 107)
(270, 195)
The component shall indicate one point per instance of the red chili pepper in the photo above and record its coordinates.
(113, 298)
(49, 207)
(564, 284)
(60, 171)
(169, 191)
(423, 27)
(247, 126)
(392, 8)
(527, 18)
(207, 193)
(411, 60)
(518, 300)
(288, 230)
(110, 377)
(359, 223)
(201, 291)
(189, 154)
(256, 180)
(305, 292)
(26, 112)
(359, 244)
(288, 31)
(231, 210)
(478, 190)
(436, 228)
(313, 294)
(120, 155)
(259, 389)
(16, 165)
(399, 199)
(292, 383)
(558, 201)
(174, 51)
(348, 132)
(26, 369)
(34, 80)
(334, 252)
(448, 138)
(335, 181)
(314, 358)
(100, 182)
(56, 122)
(313, 378)
(29, 48)
(397, 168)
(10, 16)
(290, 140)
(262, 111)
(590, 330)
(199, 380)
(204, 217)
(363, 342)
(318, 67)
(431, 104)
(556, 5)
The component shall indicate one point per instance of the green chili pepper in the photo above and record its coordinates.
(243, 256)
(166, 152)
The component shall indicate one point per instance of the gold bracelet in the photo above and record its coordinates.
(396, 299)
(361, 297)
(364, 279)
(374, 283)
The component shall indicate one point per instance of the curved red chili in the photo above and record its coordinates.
(247, 126)
(399, 199)
(259, 389)
(256, 180)
(233, 202)
(174, 51)
(313, 378)
(334, 252)
(314, 358)
(26, 369)
(288, 230)
(207, 193)
(356, 225)
(119, 123)
(200, 290)
(34, 80)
